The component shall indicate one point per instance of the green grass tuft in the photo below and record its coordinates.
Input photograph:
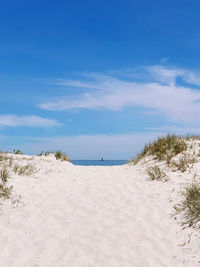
(190, 206)
(163, 148)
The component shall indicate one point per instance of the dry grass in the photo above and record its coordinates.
(155, 173)
(62, 156)
(24, 170)
(184, 162)
(163, 148)
(5, 191)
(15, 168)
(190, 206)
(4, 174)
(4, 157)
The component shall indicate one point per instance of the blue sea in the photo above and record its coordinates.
(98, 162)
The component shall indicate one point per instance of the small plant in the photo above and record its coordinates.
(155, 173)
(62, 156)
(190, 206)
(17, 152)
(5, 191)
(4, 174)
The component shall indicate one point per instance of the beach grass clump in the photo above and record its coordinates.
(5, 191)
(184, 162)
(163, 148)
(4, 157)
(155, 173)
(4, 174)
(16, 168)
(24, 170)
(190, 206)
(10, 161)
(1, 157)
(62, 156)
(192, 137)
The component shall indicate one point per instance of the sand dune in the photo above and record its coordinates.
(93, 217)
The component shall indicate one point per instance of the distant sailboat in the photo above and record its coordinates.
(101, 159)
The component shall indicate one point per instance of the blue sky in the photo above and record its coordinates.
(97, 78)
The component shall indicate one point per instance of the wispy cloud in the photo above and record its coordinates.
(164, 60)
(27, 121)
(160, 93)
(174, 129)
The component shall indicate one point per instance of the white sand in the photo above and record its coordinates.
(74, 216)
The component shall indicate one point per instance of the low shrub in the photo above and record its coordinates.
(17, 152)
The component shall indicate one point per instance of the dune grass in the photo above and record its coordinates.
(4, 174)
(190, 206)
(163, 148)
(24, 170)
(5, 191)
(62, 156)
(185, 161)
(155, 173)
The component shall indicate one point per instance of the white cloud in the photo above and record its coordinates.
(160, 93)
(192, 78)
(28, 121)
(165, 74)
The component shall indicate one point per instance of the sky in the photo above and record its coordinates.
(97, 78)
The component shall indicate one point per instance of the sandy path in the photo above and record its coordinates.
(91, 217)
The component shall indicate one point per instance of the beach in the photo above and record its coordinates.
(113, 216)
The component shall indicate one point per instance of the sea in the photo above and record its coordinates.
(98, 162)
